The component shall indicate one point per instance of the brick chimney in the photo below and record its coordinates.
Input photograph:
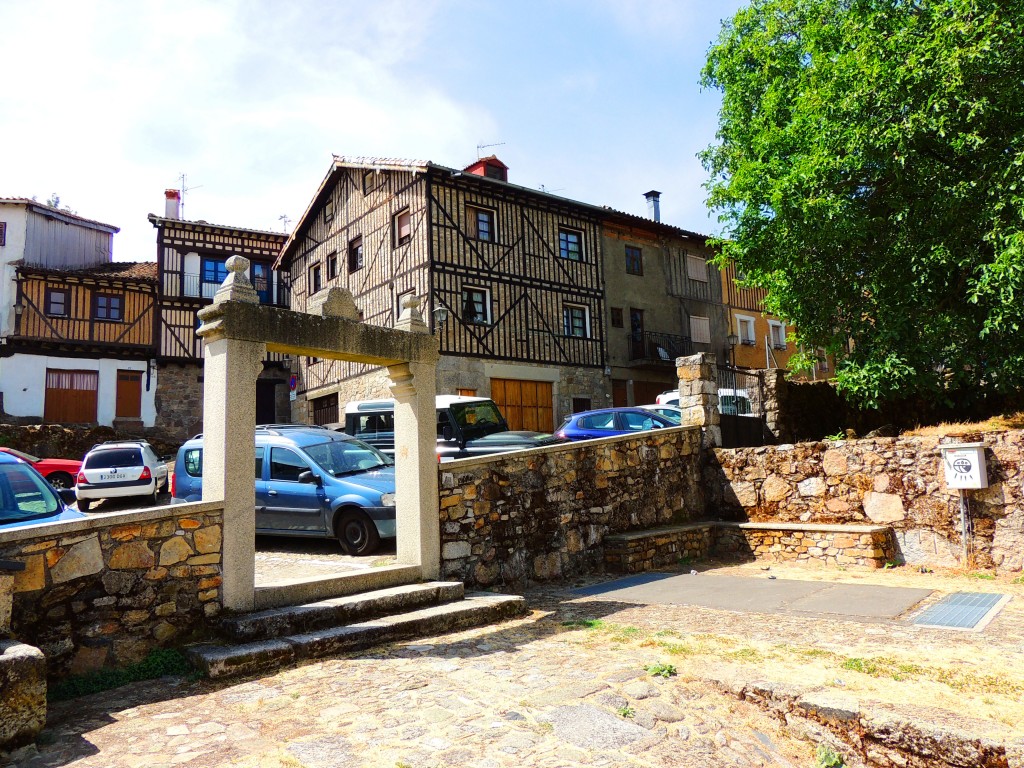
(654, 204)
(172, 204)
(490, 166)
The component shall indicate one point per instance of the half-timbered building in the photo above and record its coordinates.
(510, 280)
(191, 257)
(664, 299)
(77, 329)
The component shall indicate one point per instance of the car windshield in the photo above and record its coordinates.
(23, 456)
(24, 495)
(479, 417)
(114, 457)
(345, 457)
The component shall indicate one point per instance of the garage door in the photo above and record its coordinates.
(526, 404)
(70, 396)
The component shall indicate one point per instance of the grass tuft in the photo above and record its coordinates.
(160, 662)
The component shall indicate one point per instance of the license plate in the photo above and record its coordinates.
(113, 476)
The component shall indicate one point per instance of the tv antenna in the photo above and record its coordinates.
(485, 146)
(283, 218)
(550, 191)
(185, 189)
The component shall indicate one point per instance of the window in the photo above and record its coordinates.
(214, 272)
(637, 422)
(107, 307)
(3, 233)
(700, 329)
(57, 302)
(696, 268)
(777, 334)
(332, 265)
(329, 210)
(634, 261)
(401, 227)
(580, 404)
(745, 329)
(570, 244)
(576, 321)
(325, 409)
(481, 224)
(597, 421)
(616, 317)
(355, 255)
(315, 282)
(821, 359)
(371, 180)
(476, 306)
(286, 465)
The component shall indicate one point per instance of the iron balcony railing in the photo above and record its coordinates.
(659, 347)
(195, 286)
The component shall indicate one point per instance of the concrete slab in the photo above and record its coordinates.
(761, 595)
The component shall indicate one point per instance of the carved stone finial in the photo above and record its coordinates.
(334, 302)
(236, 286)
(411, 319)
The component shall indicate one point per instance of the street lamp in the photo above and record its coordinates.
(732, 340)
(440, 318)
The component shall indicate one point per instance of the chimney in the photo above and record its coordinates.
(654, 204)
(172, 204)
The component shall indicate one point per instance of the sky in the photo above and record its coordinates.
(107, 103)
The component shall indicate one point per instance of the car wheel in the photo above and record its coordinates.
(61, 480)
(84, 504)
(156, 496)
(356, 533)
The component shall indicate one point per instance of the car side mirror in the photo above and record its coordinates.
(447, 433)
(310, 477)
(67, 495)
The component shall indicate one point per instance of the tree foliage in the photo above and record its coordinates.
(869, 171)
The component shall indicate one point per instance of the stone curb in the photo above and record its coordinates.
(879, 736)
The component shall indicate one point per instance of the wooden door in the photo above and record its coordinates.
(525, 404)
(129, 395)
(619, 395)
(70, 396)
(646, 392)
(266, 403)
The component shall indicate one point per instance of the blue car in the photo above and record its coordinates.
(26, 498)
(310, 482)
(609, 422)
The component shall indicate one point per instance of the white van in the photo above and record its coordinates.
(731, 401)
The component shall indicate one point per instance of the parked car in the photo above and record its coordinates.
(608, 422)
(466, 426)
(668, 397)
(26, 498)
(60, 473)
(671, 412)
(118, 469)
(311, 482)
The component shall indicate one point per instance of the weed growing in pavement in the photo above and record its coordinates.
(160, 662)
(980, 575)
(584, 624)
(626, 711)
(826, 757)
(884, 666)
(1018, 580)
(661, 670)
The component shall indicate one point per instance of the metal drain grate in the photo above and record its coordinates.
(961, 610)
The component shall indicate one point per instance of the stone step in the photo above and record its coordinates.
(265, 655)
(298, 619)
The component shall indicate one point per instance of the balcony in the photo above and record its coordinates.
(194, 286)
(659, 350)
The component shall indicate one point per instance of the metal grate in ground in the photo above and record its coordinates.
(962, 610)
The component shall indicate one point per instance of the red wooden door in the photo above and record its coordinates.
(129, 395)
(70, 396)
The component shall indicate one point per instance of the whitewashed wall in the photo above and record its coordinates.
(23, 382)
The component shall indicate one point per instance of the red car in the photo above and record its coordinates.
(60, 473)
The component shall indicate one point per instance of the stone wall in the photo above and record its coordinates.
(887, 481)
(543, 514)
(106, 590)
(179, 399)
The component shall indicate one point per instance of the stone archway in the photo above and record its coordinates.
(238, 332)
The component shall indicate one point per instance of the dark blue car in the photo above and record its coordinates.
(609, 422)
(26, 498)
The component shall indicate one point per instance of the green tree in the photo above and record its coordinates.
(869, 173)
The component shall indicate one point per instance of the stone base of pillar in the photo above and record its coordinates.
(23, 704)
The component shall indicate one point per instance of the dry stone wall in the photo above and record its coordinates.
(107, 590)
(886, 481)
(543, 514)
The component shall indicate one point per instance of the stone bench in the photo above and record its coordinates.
(869, 546)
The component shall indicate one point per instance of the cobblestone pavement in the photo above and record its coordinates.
(530, 692)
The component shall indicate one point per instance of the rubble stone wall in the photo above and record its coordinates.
(107, 590)
(897, 482)
(543, 514)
